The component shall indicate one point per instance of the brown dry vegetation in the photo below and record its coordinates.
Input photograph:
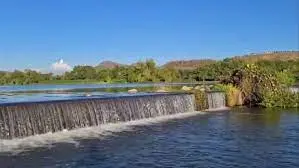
(196, 63)
(251, 58)
(188, 64)
(108, 64)
(271, 56)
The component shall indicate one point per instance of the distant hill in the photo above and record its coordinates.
(188, 64)
(108, 65)
(254, 57)
(195, 63)
(270, 56)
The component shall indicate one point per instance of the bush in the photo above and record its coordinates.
(201, 100)
(283, 98)
(286, 78)
(233, 94)
(261, 86)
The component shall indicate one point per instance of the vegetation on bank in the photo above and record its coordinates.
(258, 86)
(148, 71)
(249, 58)
(233, 94)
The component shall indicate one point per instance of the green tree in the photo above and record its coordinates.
(104, 75)
(32, 77)
(168, 75)
(83, 72)
(17, 77)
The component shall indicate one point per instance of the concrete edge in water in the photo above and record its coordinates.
(90, 98)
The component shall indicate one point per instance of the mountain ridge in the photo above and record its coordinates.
(250, 58)
(195, 63)
(108, 64)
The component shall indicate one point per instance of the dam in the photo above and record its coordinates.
(216, 100)
(31, 118)
(122, 130)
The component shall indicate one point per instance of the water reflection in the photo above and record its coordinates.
(41, 95)
(266, 116)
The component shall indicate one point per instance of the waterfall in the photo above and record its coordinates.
(26, 119)
(294, 89)
(216, 100)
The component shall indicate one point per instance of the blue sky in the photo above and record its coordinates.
(34, 33)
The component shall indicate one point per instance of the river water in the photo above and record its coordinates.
(81, 87)
(233, 138)
(35, 93)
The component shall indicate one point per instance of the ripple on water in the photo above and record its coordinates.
(217, 139)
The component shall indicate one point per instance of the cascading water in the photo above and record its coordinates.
(294, 89)
(26, 119)
(216, 100)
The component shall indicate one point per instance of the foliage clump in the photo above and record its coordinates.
(261, 86)
(232, 93)
(201, 100)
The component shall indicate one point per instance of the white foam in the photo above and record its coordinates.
(217, 109)
(73, 136)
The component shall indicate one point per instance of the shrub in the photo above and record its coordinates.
(261, 86)
(283, 98)
(286, 78)
(201, 100)
(232, 94)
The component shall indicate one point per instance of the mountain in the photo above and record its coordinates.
(188, 64)
(270, 56)
(192, 64)
(108, 65)
(251, 58)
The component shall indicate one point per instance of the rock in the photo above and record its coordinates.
(208, 89)
(186, 88)
(161, 91)
(202, 89)
(198, 87)
(132, 91)
(87, 95)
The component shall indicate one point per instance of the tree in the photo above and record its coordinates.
(83, 72)
(17, 77)
(168, 75)
(104, 75)
(32, 77)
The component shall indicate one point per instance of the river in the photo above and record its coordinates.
(234, 138)
(35, 93)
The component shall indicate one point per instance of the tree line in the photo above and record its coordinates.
(146, 71)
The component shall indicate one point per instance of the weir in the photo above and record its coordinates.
(31, 118)
(294, 89)
(216, 100)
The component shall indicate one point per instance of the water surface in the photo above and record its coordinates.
(36, 93)
(236, 138)
(79, 87)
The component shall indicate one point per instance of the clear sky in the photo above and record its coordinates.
(36, 33)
